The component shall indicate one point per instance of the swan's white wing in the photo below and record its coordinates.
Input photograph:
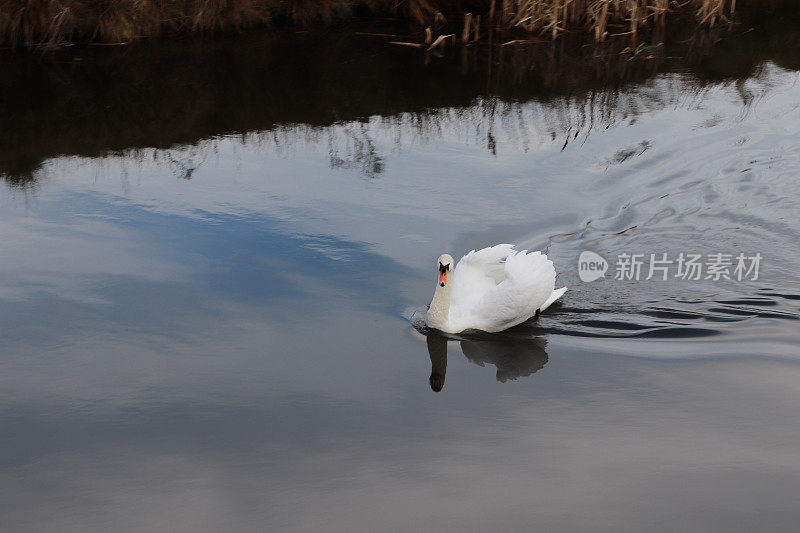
(528, 284)
(477, 273)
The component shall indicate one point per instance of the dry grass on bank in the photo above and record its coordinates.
(598, 16)
(52, 21)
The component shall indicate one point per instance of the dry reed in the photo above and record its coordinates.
(52, 21)
(628, 16)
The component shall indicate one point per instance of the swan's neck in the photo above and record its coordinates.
(439, 311)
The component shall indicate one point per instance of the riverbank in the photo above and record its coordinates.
(48, 22)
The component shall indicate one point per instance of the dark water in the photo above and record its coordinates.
(212, 252)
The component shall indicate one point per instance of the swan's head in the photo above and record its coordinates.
(445, 267)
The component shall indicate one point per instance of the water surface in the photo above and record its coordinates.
(212, 252)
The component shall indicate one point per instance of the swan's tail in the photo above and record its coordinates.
(556, 294)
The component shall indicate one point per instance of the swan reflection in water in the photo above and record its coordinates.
(514, 358)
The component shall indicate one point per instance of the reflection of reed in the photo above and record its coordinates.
(144, 98)
(487, 122)
(358, 149)
(515, 126)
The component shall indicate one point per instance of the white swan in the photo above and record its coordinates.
(492, 289)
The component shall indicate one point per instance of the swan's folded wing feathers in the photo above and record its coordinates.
(529, 281)
(476, 273)
(489, 261)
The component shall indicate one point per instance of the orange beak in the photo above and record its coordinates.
(443, 270)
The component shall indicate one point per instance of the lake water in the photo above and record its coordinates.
(214, 254)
